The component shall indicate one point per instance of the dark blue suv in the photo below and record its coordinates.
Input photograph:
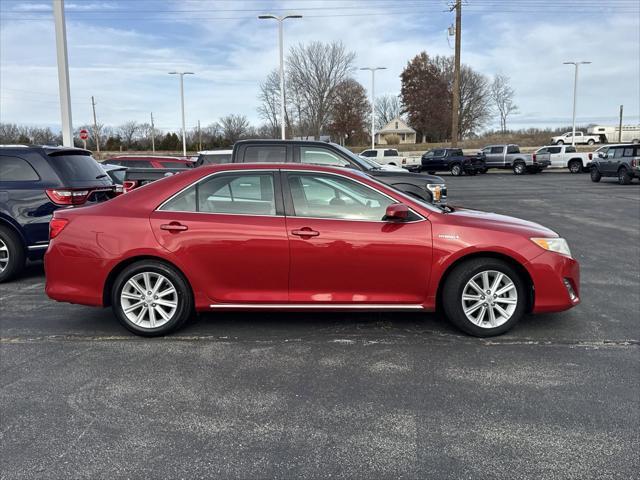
(35, 181)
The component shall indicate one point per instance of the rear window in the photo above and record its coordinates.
(14, 169)
(214, 159)
(266, 154)
(76, 167)
(174, 165)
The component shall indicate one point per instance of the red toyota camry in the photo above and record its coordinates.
(300, 237)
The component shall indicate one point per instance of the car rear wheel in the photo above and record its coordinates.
(151, 298)
(12, 256)
(484, 297)
(595, 174)
(456, 170)
(575, 166)
(519, 168)
(591, 142)
(624, 177)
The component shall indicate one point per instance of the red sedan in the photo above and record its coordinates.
(297, 237)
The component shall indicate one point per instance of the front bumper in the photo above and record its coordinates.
(556, 282)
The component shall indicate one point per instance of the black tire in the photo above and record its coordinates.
(456, 170)
(595, 174)
(624, 177)
(519, 168)
(431, 172)
(184, 296)
(472, 172)
(453, 290)
(591, 142)
(559, 142)
(12, 254)
(484, 170)
(575, 166)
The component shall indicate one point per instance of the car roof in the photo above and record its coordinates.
(280, 141)
(215, 152)
(147, 157)
(47, 149)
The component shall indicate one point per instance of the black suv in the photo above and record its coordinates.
(621, 161)
(35, 181)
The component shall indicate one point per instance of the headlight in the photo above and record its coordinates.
(558, 245)
(438, 191)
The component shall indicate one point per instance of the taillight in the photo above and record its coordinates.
(56, 226)
(591, 156)
(129, 185)
(66, 196)
(533, 157)
(634, 163)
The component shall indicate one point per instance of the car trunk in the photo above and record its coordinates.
(79, 172)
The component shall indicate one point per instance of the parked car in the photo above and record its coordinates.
(580, 138)
(390, 156)
(621, 161)
(213, 157)
(34, 182)
(452, 160)
(116, 173)
(564, 156)
(302, 237)
(509, 156)
(611, 134)
(149, 161)
(430, 188)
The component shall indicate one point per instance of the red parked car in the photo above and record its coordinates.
(301, 237)
(150, 161)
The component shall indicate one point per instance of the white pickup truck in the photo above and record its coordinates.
(390, 156)
(565, 156)
(580, 138)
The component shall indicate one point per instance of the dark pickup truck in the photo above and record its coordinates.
(452, 160)
(429, 188)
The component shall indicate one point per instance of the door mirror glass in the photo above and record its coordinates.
(397, 211)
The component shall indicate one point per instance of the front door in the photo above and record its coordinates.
(342, 251)
(229, 231)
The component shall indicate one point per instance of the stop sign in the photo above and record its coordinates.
(84, 134)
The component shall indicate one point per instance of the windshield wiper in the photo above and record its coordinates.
(101, 176)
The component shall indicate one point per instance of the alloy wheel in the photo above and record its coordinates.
(149, 300)
(4, 256)
(489, 299)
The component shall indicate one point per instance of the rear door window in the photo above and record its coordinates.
(76, 167)
(390, 153)
(570, 150)
(628, 152)
(513, 149)
(265, 154)
(15, 169)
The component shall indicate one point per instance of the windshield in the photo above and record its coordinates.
(363, 162)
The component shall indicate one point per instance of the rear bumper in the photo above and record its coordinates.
(556, 282)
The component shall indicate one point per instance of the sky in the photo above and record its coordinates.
(120, 51)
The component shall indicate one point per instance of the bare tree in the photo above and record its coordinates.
(234, 127)
(269, 96)
(349, 111)
(502, 95)
(387, 108)
(314, 72)
(127, 131)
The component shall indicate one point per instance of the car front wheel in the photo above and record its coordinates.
(151, 298)
(595, 174)
(484, 297)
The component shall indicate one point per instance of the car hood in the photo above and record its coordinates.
(391, 168)
(496, 221)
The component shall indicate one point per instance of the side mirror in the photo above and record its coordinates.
(397, 211)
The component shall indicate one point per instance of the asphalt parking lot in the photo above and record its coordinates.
(367, 395)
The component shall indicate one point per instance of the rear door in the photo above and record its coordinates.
(229, 233)
(342, 250)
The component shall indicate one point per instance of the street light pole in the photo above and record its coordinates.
(373, 102)
(184, 133)
(63, 72)
(575, 96)
(281, 48)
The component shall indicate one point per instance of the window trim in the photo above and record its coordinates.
(290, 210)
(277, 192)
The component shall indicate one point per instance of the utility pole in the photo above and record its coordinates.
(95, 125)
(620, 125)
(153, 135)
(63, 73)
(184, 133)
(455, 104)
(199, 137)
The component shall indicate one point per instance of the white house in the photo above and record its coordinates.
(398, 127)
